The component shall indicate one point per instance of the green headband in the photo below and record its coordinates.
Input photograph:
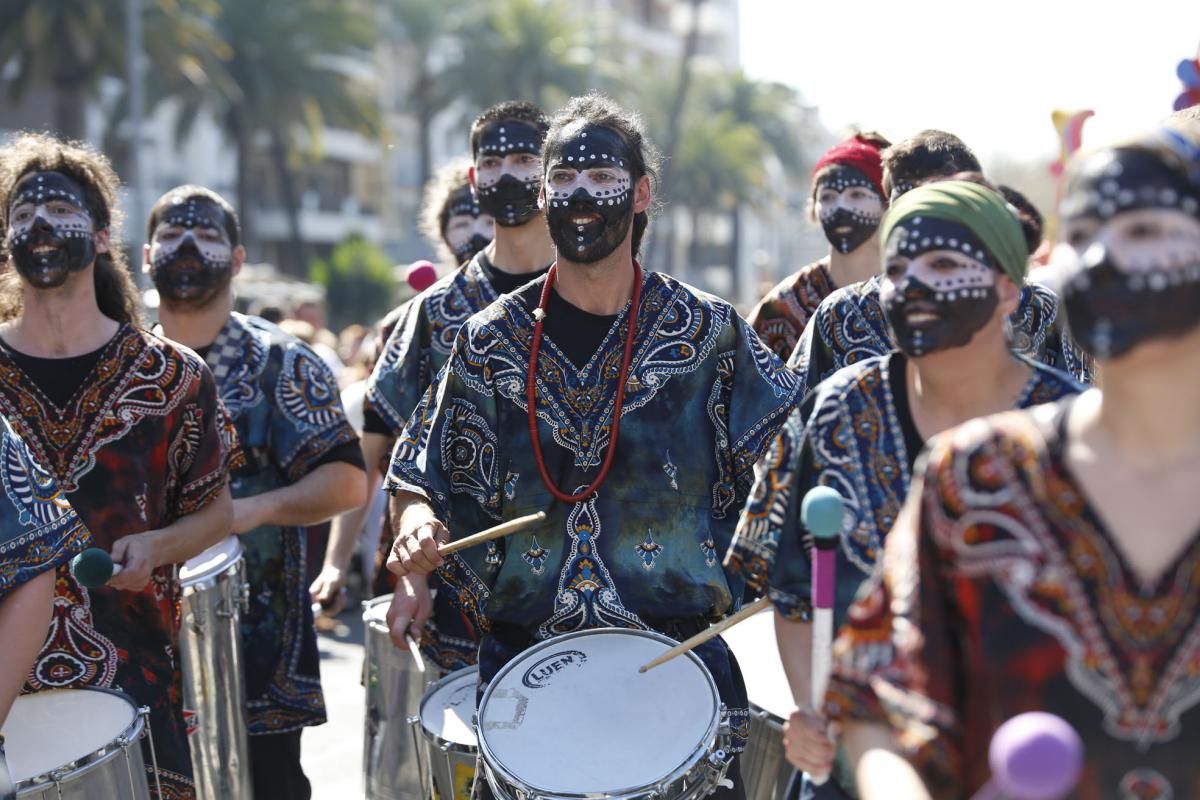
(977, 207)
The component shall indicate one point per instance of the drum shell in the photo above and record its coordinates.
(210, 644)
(765, 769)
(116, 773)
(448, 768)
(394, 687)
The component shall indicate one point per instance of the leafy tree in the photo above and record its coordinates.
(358, 280)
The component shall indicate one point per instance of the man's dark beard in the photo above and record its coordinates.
(597, 240)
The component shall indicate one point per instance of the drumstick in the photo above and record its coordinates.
(1033, 756)
(822, 512)
(416, 652)
(503, 529)
(708, 633)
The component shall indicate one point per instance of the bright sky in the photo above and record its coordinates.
(989, 71)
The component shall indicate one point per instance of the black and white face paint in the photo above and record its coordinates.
(50, 231)
(589, 193)
(191, 255)
(508, 169)
(940, 285)
(1133, 224)
(468, 230)
(848, 206)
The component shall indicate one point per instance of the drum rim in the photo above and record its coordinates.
(495, 767)
(73, 769)
(458, 747)
(209, 580)
(369, 605)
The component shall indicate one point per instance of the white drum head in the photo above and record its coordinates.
(754, 646)
(375, 612)
(449, 706)
(574, 715)
(212, 561)
(50, 729)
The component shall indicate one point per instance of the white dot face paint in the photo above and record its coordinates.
(191, 253)
(508, 171)
(460, 229)
(50, 231)
(589, 191)
(848, 207)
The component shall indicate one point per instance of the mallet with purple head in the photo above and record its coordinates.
(1033, 756)
(821, 512)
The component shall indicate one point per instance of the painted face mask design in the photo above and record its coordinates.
(940, 288)
(51, 233)
(191, 255)
(507, 170)
(1135, 224)
(848, 206)
(589, 192)
(468, 230)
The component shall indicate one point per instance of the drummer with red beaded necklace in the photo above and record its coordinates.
(632, 416)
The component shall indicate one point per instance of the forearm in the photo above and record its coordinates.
(24, 620)
(196, 532)
(346, 528)
(879, 769)
(320, 495)
(795, 651)
(407, 506)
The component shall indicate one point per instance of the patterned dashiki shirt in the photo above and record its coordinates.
(849, 326)
(780, 317)
(414, 354)
(1015, 597)
(39, 531)
(138, 446)
(860, 440)
(704, 398)
(286, 407)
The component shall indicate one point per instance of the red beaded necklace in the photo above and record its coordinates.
(531, 388)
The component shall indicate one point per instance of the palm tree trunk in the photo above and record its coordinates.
(425, 114)
(694, 248)
(675, 118)
(243, 143)
(69, 110)
(735, 254)
(296, 264)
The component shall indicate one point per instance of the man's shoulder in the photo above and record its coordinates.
(858, 379)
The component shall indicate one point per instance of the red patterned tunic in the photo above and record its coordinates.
(138, 446)
(780, 317)
(1002, 592)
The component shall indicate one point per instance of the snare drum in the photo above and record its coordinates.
(444, 735)
(394, 687)
(572, 716)
(77, 744)
(765, 768)
(215, 593)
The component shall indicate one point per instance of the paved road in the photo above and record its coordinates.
(332, 753)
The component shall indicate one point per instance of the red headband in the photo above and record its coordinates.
(858, 153)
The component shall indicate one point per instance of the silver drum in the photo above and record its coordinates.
(394, 687)
(77, 744)
(215, 593)
(572, 717)
(444, 735)
(764, 766)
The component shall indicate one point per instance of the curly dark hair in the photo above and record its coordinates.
(597, 109)
(116, 293)
(509, 110)
(926, 155)
(435, 205)
(181, 194)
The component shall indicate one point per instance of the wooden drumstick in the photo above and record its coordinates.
(503, 529)
(708, 633)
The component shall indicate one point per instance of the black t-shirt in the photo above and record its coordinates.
(57, 378)
(505, 282)
(897, 377)
(577, 333)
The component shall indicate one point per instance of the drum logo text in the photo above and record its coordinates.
(537, 675)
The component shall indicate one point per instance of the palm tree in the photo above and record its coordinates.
(520, 50)
(289, 68)
(70, 45)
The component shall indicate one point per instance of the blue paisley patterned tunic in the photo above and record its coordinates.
(704, 398)
(855, 442)
(285, 404)
(414, 354)
(850, 326)
(38, 528)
